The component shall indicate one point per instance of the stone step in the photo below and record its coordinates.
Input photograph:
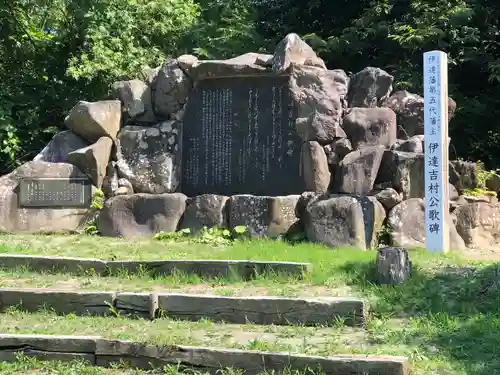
(238, 310)
(103, 352)
(244, 269)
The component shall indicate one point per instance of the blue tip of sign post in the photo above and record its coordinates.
(55, 192)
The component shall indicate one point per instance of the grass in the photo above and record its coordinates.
(446, 319)
(30, 366)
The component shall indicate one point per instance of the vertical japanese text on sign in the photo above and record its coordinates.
(436, 150)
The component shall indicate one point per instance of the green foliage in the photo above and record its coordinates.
(482, 175)
(120, 37)
(210, 236)
(96, 205)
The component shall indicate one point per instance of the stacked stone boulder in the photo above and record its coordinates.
(361, 156)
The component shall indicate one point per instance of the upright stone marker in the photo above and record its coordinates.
(436, 151)
(239, 137)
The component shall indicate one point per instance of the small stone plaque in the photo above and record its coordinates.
(239, 137)
(55, 192)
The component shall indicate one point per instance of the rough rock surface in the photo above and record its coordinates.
(406, 226)
(493, 182)
(110, 181)
(315, 167)
(337, 221)
(409, 110)
(171, 89)
(388, 198)
(317, 95)
(16, 219)
(357, 172)
(135, 96)
(60, 146)
(478, 223)
(393, 265)
(150, 157)
(93, 120)
(263, 216)
(207, 210)
(404, 171)
(141, 214)
(238, 66)
(368, 87)
(370, 127)
(413, 144)
(337, 150)
(463, 174)
(93, 160)
(292, 50)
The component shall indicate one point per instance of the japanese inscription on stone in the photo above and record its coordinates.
(436, 150)
(55, 192)
(239, 137)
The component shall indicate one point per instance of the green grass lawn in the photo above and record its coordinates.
(30, 366)
(446, 319)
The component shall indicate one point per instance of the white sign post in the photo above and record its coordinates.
(436, 151)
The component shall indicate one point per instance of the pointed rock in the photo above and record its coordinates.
(93, 120)
(60, 146)
(93, 160)
(293, 50)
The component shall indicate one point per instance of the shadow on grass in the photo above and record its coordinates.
(451, 311)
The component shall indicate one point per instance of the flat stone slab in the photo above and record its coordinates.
(106, 353)
(244, 269)
(143, 305)
(61, 302)
(264, 310)
(48, 347)
(53, 264)
(238, 310)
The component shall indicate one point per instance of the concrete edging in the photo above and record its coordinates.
(245, 269)
(103, 352)
(239, 310)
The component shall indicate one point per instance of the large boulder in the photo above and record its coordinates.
(405, 172)
(93, 160)
(370, 127)
(263, 216)
(150, 157)
(140, 215)
(171, 89)
(493, 182)
(207, 210)
(409, 110)
(315, 167)
(406, 225)
(292, 50)
(60, 146)
(413, 144)
(388, 197)
(478, 223)
(317, 95)
(16, 219)
(463, 174)
(368, 87)
(93, 120)
(357, 172)
(343, 221)
(135, 96)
